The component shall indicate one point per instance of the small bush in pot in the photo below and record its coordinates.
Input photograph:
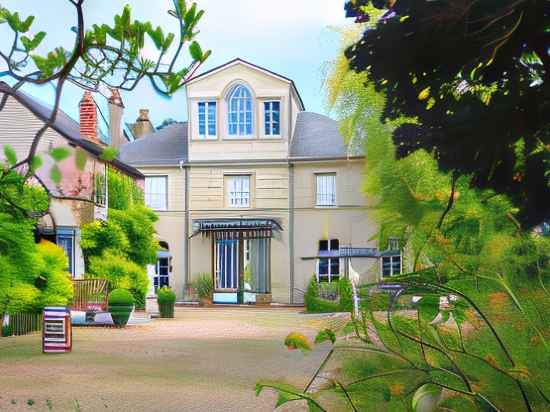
(204, 287)
(121, 304)
(166, 299)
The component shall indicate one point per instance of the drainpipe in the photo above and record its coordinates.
(187, 266)
(291, 228)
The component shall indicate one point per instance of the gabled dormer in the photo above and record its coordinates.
(240, 111)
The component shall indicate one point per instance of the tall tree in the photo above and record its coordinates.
(476, 77)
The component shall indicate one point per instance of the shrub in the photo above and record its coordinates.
(6, 331)
(346, 295)
(311, 295)
(316, 304)
(55, 281)
(120, 272)
(204, 286)
(166, 299)
(121, 297)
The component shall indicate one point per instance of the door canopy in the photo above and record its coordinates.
(236, 228)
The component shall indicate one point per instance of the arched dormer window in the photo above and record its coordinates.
(239, 111)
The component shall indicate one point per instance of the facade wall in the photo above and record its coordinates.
(264, 87)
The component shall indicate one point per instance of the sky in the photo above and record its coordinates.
(295, 38)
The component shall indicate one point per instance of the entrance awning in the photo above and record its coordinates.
(236, 228)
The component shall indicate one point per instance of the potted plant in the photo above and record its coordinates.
(166, 299)
(121, 305)
(205, 288)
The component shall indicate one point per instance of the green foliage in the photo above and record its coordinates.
(166, 299)
(120, 297)
(123, 191)
(121, 272)
(57, 288)
(296, 340)
(324, 336)
(315, 304)
(289, 393)
(204, 285)
(138, 225)
(345, 292)
(165, 295)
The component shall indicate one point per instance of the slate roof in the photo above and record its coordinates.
(65, 126)
(165, 147)
(317, 136)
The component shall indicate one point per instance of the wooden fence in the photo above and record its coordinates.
(25, 323)
(90, 294)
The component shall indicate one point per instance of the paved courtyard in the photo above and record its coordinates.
(204, 360)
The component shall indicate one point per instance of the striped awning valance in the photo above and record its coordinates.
(234, 228)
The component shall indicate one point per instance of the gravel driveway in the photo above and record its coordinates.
(204, 360)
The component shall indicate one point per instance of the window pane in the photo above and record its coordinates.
(386, 266)
(238, 191)
(396, 265)
(155, 192)
(202, 119)
(334, 267)
(323, 266)
(211, 118)
(334, 244)
(326, 190)
(323, 245)
(240, 111)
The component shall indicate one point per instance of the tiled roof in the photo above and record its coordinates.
(167, 146)
(65, 126)
(317, 136)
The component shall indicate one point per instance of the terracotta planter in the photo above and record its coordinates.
(120, 314)
(205, 302)
(263, 298)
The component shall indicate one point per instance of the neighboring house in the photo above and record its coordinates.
(82, 195)
(255, 191)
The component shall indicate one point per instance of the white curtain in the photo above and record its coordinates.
(326, 190)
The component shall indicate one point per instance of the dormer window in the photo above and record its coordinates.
(272, 118)
(207, 120)
(240, 113)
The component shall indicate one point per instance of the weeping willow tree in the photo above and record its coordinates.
(466, 327)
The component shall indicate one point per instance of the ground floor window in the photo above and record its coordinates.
(65, 238)
(242, 264)
(391, 265)
(328, 265)
(162, 272)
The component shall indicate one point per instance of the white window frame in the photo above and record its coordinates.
(148, 201)
(230, 97)
(207, 135)
(271, 135)
(236, 190)
(322, 187)
(330, 274)
(392, 273)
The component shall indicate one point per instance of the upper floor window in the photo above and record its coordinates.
(100, 190)
(207, 120)
(326, 189)
(238, 191)
(240, 112)
(156, 192)
(272, 116)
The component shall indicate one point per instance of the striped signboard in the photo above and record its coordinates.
(57, 331)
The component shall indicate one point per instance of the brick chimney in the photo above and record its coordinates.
(88, 118)
(116, 110)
